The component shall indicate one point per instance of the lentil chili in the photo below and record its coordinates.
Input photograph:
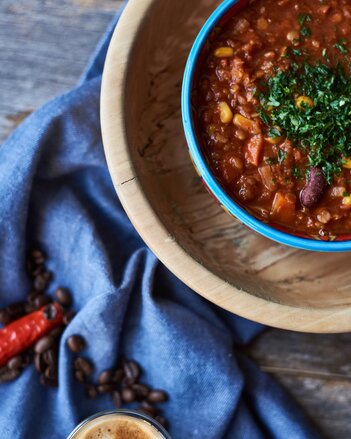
(273, 108)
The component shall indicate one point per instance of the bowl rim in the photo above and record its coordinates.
(201, 164)
(145, 220)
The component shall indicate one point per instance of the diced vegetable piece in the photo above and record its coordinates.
(303, 101)
(253, 149)
(346, 202)
(247, 124)
(224, 52)
(283, 207)
(225, 112)
(267, 177)
(347, 163)
(337, 191)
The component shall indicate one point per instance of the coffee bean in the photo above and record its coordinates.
(128, 395)
(91, 391)
(27, 358)
(39, 363)
(43, 344)
(118, 376)
(76, 343)
(33, 295)
(37, 270)
(84, 365)
(7, 374)
(5, 317)
(131, 369)
(127, 382)
(79, 375)
(51, 372)
(157, 396)
(37, 256)
(16, 309)
(68, 317)
(40, 282)
(105, 377)
(141, 390)
(148, 408)
(50, 382)
(161, 420)
(116, 399)
(106, 388)
(29, 308)
(57, 332)
(41, 301)
(15, 362)
(63, 296)
(50, 357)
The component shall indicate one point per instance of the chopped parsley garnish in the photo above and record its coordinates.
(305, 31)
(296, 172)
(303, 18)
(273, 132)
(281, 156)
(340, 45)
(321, 125)
(346, 194)
(271, 160)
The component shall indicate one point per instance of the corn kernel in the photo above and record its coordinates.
(225, 113)
(303, 101)
(346, 202)
(347, 163)
(224, 52)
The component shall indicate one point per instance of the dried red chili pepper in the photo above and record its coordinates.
(21, 334)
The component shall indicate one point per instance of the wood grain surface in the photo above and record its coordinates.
(44, 46)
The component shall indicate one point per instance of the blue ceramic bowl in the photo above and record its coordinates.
(226, 9)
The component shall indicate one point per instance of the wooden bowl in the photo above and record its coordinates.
(211, 252)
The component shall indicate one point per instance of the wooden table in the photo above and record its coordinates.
(44, 46)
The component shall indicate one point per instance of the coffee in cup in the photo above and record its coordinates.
(120, 424)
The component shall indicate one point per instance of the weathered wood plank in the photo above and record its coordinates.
(316, 369)
(44, 47)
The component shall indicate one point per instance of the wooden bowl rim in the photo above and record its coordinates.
(148, 225)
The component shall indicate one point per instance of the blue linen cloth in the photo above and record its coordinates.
(56, 191)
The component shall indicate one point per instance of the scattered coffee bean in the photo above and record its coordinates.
(118, 376)
(128, 395)
(50, 382)
(50, 357)
(131, 369)
(51, 372)
(106, 388)
(57, 332)
(29, 308)
(39, 363)
(37, 256)
(41, 301)
(16, 310)
(76, 343)
(157, 396)
(68, 317)
(43, 344)
(63, 296)
(84, 365)
(141, 390)
(40, 282)
(149, 409)
(80, 376)
(33, 295)
(105, 377)
(91, 391)
(161, 420)
(7, 374)
(5, 317)
(117, 399)
(15, 362)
